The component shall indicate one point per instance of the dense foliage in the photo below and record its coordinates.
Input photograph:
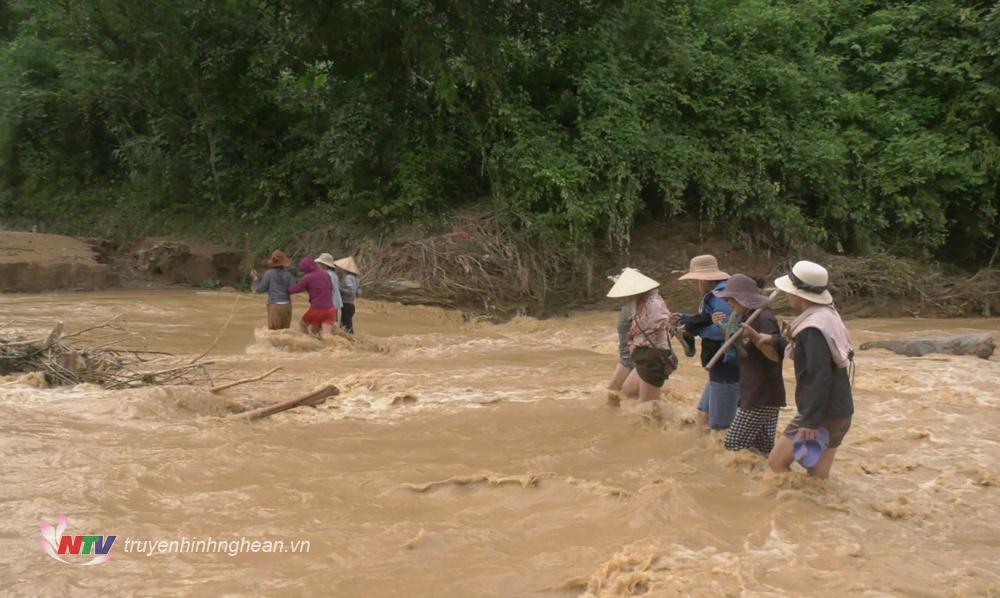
(857, 123)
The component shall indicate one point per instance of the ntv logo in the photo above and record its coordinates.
(54, 543)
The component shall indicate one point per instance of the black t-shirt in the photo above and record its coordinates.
(761, 384)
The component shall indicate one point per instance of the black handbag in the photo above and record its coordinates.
(667, 356)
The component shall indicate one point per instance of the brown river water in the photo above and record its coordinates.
(465, 458)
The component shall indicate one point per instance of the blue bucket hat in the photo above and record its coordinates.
(808, 452)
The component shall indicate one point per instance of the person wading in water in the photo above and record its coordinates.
(762, 389)
(276, 282)
(320, 317)
(624, 366)
(721, 395)
(350, 290)
(823, 352)
(649, 342)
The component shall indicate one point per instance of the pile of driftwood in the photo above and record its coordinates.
(99, 355)
(909, 283)
(96, 355)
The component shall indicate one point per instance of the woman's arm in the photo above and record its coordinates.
(265, 282)
(300, 285)
(768, 349)
(764, 342)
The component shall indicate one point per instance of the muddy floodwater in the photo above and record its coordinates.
(465, 458)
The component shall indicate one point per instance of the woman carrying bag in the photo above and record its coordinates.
(649, 340)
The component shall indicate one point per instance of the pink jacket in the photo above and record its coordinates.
(317, 282)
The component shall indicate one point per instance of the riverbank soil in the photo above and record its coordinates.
(479, 263)
(36, 262)
(186, 262)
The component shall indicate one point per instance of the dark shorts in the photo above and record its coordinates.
(836, 427)
(649, 366)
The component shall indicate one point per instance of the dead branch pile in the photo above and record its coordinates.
(95, 355)
(482, 262)
(895, 279)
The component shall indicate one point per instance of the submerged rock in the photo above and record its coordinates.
(980, 345)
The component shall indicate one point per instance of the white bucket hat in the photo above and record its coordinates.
(326, 259)
(632, 282)
(807, 280)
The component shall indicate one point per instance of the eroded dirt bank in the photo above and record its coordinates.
(35, 262)
(477, 264)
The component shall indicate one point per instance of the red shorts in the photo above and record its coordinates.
(319, 317)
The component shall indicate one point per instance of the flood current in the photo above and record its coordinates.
(467, 458)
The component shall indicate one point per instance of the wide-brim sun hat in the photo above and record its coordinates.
(809, 452)
(744, 290)
(348, 264)
(808, 280)
(632, 282)
(278, 258)
(704, 267)
(326, 259)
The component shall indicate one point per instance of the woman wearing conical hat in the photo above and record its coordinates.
(648, 339)
(624, 366)
(350, 290)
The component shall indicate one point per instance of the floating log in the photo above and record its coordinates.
(980, 345)
(311, 399)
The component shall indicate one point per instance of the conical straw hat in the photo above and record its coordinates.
(632, 282)
(347, 263)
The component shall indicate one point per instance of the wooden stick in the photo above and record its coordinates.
(221, 332)
(108, 344)
(149, 375)
(312, 399)
(218, 389)
(736, 335)
(101, 325)
(34, 341)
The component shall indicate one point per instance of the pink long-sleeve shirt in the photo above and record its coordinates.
(316, 282)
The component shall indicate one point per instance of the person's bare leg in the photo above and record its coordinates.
(822, 469)
(303, 327)
(703, 418)
(631, 386)
(782, 455)
(615, 384)
(326, 330)
(648, 392)
(618, 378)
